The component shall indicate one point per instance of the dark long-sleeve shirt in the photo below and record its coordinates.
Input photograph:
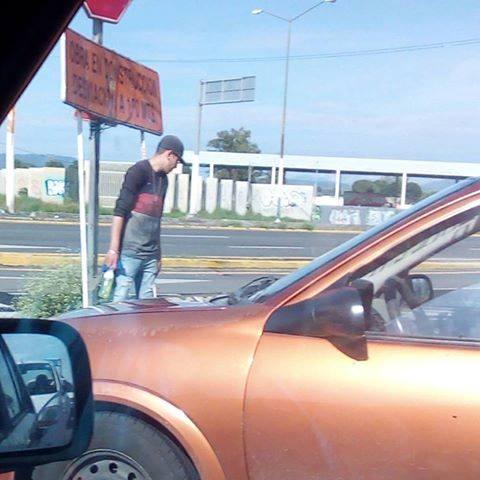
(141, 203)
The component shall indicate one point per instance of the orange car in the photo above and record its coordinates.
(362, 365)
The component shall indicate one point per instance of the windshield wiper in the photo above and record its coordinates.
(247, 290)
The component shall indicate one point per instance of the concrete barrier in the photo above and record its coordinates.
(241, 197)
(170, 196)
(183, 181)
(197, 206)
(211, 194)
(226, 194)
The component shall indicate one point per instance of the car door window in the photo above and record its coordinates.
(429, 286)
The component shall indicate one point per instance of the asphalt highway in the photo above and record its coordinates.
(27, 238)
(64, 238)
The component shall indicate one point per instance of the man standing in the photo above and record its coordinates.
(135, 252)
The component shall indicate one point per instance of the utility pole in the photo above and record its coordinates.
(10, 186)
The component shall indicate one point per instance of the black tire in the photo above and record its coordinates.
(124, 445)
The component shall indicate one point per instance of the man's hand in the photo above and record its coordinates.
(159, 266)
(111, 259)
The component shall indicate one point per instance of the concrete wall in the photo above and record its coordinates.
(53, 185)
(46, 183)
(297, 200)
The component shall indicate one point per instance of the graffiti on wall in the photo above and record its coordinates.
(55, 187)
(296, 201)
(355, 215)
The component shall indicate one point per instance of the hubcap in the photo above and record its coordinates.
(105, 465)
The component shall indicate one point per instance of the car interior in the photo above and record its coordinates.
(404, 296)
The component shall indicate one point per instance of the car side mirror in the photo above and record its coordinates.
(421, 287)
(339, 315)
(36, 427)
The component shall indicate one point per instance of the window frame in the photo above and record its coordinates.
(24, 401)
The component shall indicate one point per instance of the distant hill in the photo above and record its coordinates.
(37, 159)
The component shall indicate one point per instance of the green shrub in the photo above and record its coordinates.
(175, 213)
(51, 292)
(307, 226)
(221, 214)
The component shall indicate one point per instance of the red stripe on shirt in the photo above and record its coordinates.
(149, 204)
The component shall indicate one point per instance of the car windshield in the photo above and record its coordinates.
(36, 372)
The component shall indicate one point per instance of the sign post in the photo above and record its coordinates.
(106, 10)
(112, 90)
(10, 162)
(82, 213)
(143, 146)
(93, 196)
(230, 90)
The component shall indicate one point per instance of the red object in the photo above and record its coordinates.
(106, 10)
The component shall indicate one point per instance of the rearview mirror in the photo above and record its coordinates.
(337, 315)
(41, 421)
(421, 287)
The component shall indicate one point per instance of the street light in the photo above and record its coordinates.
(258, 11)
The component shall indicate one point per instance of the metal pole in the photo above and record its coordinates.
(81, 205)
(10, 186)
(199, 124)
(143, 146)
(338, 179)
(285, 94)
(403, 194)
(93, 201)
(282, 138)
(195, 171)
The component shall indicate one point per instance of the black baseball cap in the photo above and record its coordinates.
(173, 143)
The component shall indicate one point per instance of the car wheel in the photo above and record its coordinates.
(123, 447)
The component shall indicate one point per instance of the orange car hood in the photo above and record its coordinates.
(164, 304)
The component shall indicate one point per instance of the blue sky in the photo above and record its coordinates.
(417, 105)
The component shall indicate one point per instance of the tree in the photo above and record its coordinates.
(232, 173)
(385, 186)
(54, 163)
(21, 164)
(363, 186)
(414, 192)
(233, 141)
(71, 182)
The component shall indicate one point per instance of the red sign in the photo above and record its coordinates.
(106, 10)
(109, 86)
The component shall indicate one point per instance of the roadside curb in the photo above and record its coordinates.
(207, 224)
(32, 260)
(14, 259)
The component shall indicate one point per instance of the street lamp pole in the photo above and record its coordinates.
(281, 162)
(284, 111)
